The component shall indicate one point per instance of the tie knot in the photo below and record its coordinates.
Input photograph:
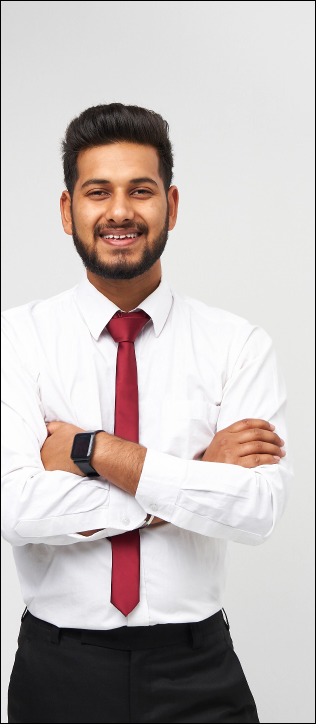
(125, 326)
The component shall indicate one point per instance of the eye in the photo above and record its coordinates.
(97, 192)
(141, 192)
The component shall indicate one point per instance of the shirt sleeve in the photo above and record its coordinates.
(40, 506)
(221, 500)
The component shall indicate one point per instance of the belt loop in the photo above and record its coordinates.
(226, 622)
(197, 640)
(24, 614)
(55, 634)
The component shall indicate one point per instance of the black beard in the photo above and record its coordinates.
(122, 268)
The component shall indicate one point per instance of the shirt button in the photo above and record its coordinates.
(126, 521)
(154, 506)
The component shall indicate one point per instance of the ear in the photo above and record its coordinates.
(65, 210)
(173, 199)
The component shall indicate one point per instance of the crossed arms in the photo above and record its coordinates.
(247, 443)
(237, 491)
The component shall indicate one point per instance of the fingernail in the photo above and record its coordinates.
(282, 442)
(272, 427)
(276, 457)
(283, 452)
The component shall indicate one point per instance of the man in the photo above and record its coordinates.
(142, 431)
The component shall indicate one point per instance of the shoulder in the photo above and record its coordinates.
(213, 315)
(216, 323)
(222, 330)
(26, 314)
(22, 327)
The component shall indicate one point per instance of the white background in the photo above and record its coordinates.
(235, 82)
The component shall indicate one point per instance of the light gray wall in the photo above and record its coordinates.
(235, 82)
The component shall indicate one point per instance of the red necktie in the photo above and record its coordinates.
(124, 328)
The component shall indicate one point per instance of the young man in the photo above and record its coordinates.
(142, 431)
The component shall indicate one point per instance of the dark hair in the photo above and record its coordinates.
(112, 123)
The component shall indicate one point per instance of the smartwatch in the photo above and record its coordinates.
(82, 449)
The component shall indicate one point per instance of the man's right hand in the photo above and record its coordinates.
(247, 443)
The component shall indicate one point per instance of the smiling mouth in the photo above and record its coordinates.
(120, 239)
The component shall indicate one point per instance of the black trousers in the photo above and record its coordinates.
(163, 673)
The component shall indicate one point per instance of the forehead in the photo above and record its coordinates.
(118, 161)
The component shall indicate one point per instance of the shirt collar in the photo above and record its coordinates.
(97, 310)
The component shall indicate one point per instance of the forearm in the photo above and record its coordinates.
(47, 507)
(119, 461)
(217, 500)
(41, 506)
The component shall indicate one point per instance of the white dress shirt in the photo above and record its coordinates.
(199, 370)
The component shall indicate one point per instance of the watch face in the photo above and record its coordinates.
(81, 445)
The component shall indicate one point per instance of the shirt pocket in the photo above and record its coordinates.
(188, 427)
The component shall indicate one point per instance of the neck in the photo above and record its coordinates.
(127, 294)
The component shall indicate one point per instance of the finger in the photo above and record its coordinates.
(253, 461)
(260, 448)
(53, 426)
(257, 434)
(158, 522)
(248, 424)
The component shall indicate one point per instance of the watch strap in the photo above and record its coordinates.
(84, 465)
(147, 521)
(86, 468)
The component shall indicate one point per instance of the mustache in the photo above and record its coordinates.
(100, 228)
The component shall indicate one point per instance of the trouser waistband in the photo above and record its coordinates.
(133, 638)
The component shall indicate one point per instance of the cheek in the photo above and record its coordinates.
(155, 218)
(89, 218)
(86, 220)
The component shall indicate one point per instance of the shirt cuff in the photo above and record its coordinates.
(213, 499)
(160, 483)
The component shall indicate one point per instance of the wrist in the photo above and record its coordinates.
(101, 443)
(119, 461)
(82, 451)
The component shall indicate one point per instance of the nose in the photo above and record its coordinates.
(119, 209)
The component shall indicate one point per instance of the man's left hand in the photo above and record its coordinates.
(56, 450)
(55, 455)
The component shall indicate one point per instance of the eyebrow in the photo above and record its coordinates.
(95, 181)
(142, 180)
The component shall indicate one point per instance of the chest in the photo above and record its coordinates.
(179, 387)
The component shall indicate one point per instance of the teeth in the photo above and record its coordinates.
(124, 236)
